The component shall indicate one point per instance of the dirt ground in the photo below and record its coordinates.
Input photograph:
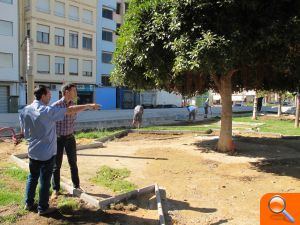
(202, 186)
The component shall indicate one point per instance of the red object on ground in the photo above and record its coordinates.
(15, 137)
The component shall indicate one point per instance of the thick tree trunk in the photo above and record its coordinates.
(297, 111)
(254, 114)
(225, 143)
(279, 112)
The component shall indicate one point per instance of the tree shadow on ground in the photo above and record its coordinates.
(271, 155)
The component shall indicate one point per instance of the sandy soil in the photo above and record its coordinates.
(202, 186)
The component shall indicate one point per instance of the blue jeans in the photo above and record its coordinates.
(43, 170)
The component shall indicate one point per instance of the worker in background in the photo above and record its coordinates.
(138, 116)
(192, 112)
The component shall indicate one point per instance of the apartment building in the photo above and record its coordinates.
(106, 44)
(9, 56)
(63, 44)
(110, 17)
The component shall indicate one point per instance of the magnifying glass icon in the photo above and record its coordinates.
(277, 205)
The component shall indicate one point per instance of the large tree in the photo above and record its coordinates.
(190, 46)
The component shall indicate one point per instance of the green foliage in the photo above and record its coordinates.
(284, 127)
(16, 173)
(96, 134)
(181, 45)
(12, 218)
(114, 179)
(67, 205)
(9, 197)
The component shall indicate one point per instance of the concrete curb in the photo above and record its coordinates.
(96, 144)
(118, 198)
(167, 132)
(159, 206)
(91, 200)
(113, 136)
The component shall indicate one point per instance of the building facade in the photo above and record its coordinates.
(9, 56)
(106, 44)
(63, 44)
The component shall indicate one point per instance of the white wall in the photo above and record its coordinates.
(9, 44)
(166, 98)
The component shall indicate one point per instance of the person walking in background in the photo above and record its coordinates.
(138, 116)
(206, 106)
(66, 139)
(38, 125)
(192, 112)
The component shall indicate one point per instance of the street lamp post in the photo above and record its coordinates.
(29, 74)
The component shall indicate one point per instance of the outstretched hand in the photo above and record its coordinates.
(94, 106)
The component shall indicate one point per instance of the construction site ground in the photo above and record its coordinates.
(202, 186)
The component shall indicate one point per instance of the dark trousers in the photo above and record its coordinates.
(69, 144)
(192, 114)
(43, 170)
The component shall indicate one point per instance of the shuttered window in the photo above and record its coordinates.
(87, 68)
(59, 37)
(59, 65)
(87, 16)
(87, 41)
(43, 6)
(73, 66)
(43, 34)
(43, 63)
(74, 13)
(60, 9)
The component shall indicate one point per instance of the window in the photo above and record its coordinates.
(59, 65)
(106, 57)
(7, 1)
(107, 13)
(118, 28)
(43, 63)
(59, 9)
(43, 34)
(105, 80)
(118, 11)
(87, 66)
(6, 60)
(43, 6)
(107, 35)
(73, 66)
(6, 28)
(59, 37)
(126, 6)
(87, 41)
(74, 13)
(87, 16)
(73, 39)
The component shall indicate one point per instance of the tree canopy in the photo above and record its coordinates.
(186, 45)
(190, 46)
